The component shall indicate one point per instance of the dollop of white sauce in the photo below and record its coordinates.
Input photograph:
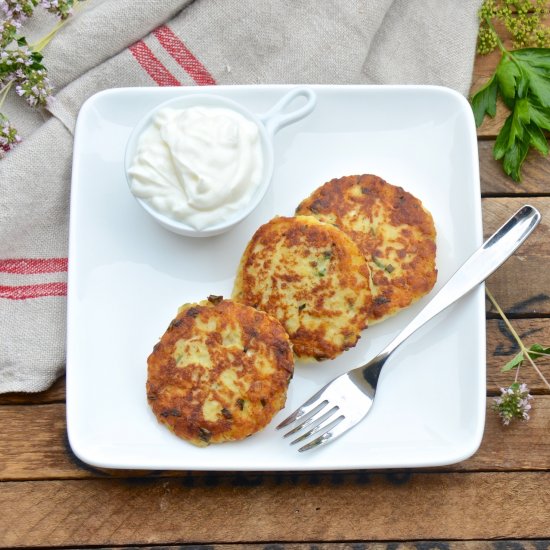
(197, 165)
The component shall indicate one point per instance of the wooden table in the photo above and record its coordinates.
(499, 498)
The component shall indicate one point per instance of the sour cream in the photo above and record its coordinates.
(198, 165)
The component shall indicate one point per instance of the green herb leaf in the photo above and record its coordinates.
(514, 158)
(537, 139)
(540, 87)
(517, 360)
(536, 351)
(484, 101)
(534, 67)
(507, 74)
(501, 143)
(539, 115)
(520, 116)
(535, 57)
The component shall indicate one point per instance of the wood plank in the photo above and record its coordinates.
(33, 445)
(503, 447)
(359, 545)
(522, 285)
(541, 544)
(300, 508)
(536, 174)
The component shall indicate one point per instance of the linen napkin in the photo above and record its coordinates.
(115, 43)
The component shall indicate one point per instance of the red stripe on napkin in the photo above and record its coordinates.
(183, 56)
(30, 266)
(33, 291)
(154, 68)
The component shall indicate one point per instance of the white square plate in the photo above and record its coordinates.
(128, 275)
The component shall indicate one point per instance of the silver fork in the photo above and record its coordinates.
(347, 399)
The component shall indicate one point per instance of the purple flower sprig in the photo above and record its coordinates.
(8, 32)
(60, 8)
(34, 87)
(9, 137)
(21, 64)
(17, 11)
(513, 403)
(23, 67)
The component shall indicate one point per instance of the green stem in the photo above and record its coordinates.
(523, 349)
(4, 92)
(45, 40)
(539, 353)
(500, 45)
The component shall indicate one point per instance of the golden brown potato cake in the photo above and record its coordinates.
(393, 230)
(313, 278)
(220, 372)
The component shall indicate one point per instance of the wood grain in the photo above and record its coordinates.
(350, 508)
(33, 443)
(539, 544)
(536, 174)
(522, 285)
(500, 447)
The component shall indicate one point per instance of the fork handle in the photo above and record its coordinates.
(482, 263)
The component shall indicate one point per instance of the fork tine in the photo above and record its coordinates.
(306, 407)
(336, 430)
(315, 417)
(326, 426)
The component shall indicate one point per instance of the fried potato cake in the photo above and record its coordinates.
(310, 276)
(393, 230)
(220, 372)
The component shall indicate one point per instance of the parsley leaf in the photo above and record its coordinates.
(485, 101)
